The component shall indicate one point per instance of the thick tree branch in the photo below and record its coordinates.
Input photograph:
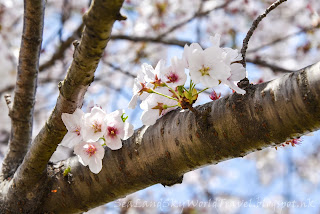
(25, 90)
(267, 115)
(98, 24)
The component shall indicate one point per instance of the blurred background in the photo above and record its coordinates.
(282, 180)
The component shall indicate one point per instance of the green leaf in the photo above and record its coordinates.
(67, 171)
(124, 118)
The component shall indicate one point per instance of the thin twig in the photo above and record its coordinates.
(273, 67)
(253, 28)
(196, 15)
(59, 54)
(150, 39)
(306, 29)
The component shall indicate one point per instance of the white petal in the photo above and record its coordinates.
(238, 72)
(95, 165)
(81, 152)
(235, 87)
(61, 153)
(207, 81)
(72, 120)
(71, 139)
(149, 117)
(100, 150)
(128, 129)
(114, 143)
(160, 67)
(81, 161)
(133, 102)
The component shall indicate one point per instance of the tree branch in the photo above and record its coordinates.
(25, 90)
(59, 54)
(276, 41)
(98, 24)
(196, 15)
(273, 67)
(151, 39)
(254, 27)
(267, 115)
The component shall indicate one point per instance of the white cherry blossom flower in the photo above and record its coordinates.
(73, 123)
(90, 154)
(94, 125)
(208, 66)
(155, 106)
(153, 76)
(174, 75)
(237, 71)
(116, 130)
(147, 77)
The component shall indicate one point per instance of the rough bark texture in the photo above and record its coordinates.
(234, 126)
(25, 90)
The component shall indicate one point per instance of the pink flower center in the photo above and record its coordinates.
(96, 127)
(112, 131)
(77, 131)
(172, 77)
(91, 150)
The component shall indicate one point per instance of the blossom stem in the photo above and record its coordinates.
(153, 91)
(173, 91)
(202, 90)
(171, 106)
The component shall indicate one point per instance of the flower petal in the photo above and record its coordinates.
(95, 165)
(128, 130)
(114, 144)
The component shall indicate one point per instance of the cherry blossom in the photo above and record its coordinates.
(90, 154)
(147, 77)
(73, 123)
(208, 66)
(214, 96)
(155, 106)
(116, 129)
(175, 74)
(94, 124)
(237, 71)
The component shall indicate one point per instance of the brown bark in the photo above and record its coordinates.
(29, 184)
(231, 127)
(25, 89)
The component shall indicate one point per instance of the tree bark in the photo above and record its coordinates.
(267, 115)
(25, 90)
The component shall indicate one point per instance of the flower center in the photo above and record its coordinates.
(77, 131)
(172, 77)
(204, 70)
(91, 150)
(112, 131)
(96, 127)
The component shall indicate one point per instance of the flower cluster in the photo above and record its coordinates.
(293, 142)
(88, 133)
(161, 89)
